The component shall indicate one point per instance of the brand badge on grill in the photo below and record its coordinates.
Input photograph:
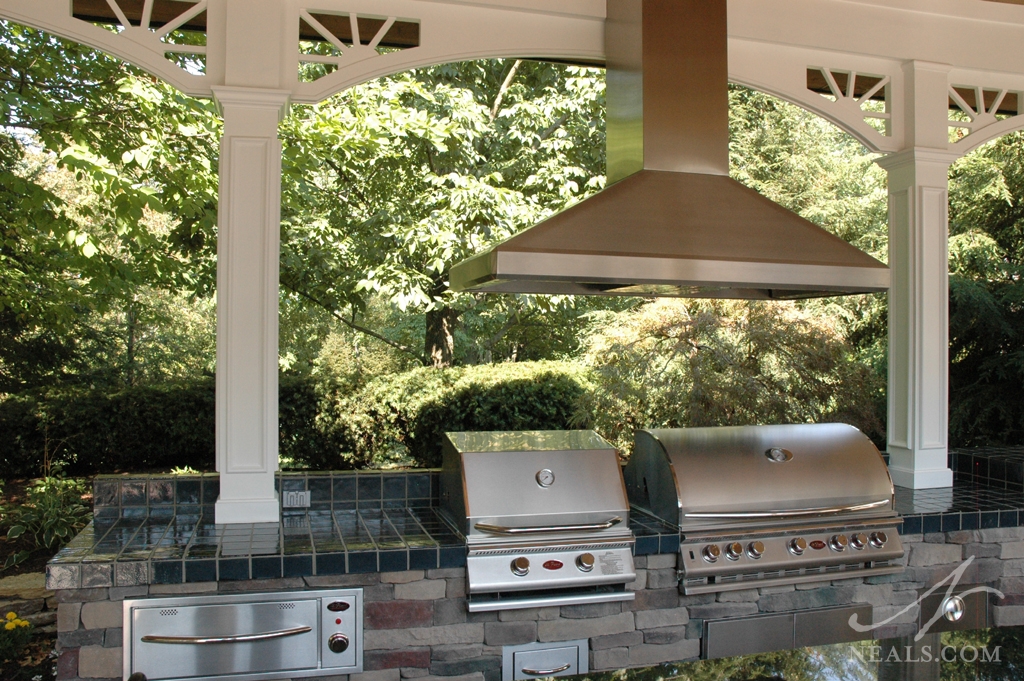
(553, 565)
(817, 545)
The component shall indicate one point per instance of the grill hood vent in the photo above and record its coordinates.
(672, 222)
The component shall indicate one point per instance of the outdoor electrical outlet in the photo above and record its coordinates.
(296, 499)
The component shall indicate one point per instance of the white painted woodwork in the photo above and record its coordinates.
(919, 297)
(248, 255)
(920, 48)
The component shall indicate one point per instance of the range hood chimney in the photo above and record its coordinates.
(671, 222)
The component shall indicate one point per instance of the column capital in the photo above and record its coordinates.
(920, 65)
(906, 157)
(253, 98)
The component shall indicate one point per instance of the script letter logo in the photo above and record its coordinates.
(956, 575)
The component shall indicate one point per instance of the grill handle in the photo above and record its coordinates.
(241, 638)
(828, 510)
(546, 672)
(500, 529)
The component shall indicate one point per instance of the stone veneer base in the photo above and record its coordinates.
(417, 624)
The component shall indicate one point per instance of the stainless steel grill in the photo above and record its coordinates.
(544, 514)
(763, 505)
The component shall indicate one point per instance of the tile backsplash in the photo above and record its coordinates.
(340, 490)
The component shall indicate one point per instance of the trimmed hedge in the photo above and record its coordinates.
(398, 417)
(138, 429)
(405, 415)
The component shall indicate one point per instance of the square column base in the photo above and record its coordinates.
(922, 469)
(247, 510)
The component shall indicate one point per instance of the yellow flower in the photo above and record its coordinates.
(22, 623)
(11, 616)
(9, 626)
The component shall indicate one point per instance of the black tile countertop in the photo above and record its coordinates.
(986, 493)
(160, 530)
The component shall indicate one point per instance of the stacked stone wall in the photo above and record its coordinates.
(417, 626)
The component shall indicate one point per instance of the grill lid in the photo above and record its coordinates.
(756, 475)
(534, 485)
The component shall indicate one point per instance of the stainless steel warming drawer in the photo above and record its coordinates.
(245, 637)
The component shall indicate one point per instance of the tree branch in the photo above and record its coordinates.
(356, 327)
(504, 88)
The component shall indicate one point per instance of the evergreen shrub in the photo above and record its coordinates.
(404, 416)
(141, 429)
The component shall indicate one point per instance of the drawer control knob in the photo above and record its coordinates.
(585, 562)
(859, 540)
(338, 643)
(797, 546)
(711, 553)
(838, 542)
(878, 539)
(734, 550)
(755, 549)
(520, 566)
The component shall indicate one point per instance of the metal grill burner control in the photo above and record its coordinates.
(838, 542)
(711, 553)
(755, 549)
(858, 540)
(878, 539)
(797, 546)
(521, 566)
(585, 562)
(734, 550)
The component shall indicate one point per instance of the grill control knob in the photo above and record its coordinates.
(859, 540)
(520, 566)
(711, 553)
(878, 539)
(585, 562)
(755, 549)
(338, 643)
(797, 546)
(734, 550)
(838, 542)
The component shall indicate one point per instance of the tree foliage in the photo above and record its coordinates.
(91, 151)
(392, 182)
(986, 319)
(679, 363)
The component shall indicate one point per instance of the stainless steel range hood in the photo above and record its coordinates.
(672, 222)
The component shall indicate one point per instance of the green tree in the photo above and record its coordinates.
(986, 322)
(679, 363)
(78, 245)
(390, 183)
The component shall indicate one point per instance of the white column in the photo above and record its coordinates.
(919, 295)
(248, 249)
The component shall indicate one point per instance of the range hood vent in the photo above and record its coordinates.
(672, 222)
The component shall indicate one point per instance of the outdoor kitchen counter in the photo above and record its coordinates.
(417, 622)
(160, 529)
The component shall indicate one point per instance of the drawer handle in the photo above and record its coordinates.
(241, 638)
(546, 672)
